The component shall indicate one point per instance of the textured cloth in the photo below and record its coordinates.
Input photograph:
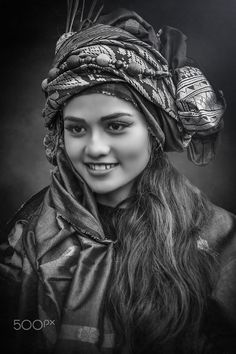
(122, 47)
(56, 265)
(106, 214)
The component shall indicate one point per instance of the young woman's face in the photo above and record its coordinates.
(107, 141)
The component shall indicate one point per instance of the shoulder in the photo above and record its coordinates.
(221, 229)
(12, 248)
(221, 236)
(27, 210)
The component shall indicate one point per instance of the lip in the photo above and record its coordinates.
(100, 172)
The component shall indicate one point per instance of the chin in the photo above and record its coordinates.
(104, 187)
(102, 190)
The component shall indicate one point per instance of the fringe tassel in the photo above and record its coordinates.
(74, 7)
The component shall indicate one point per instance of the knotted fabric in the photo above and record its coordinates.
(123, 48)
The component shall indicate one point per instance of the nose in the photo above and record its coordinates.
(97, 146)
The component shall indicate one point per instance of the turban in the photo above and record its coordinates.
(122, 48)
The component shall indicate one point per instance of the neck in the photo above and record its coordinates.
(113, 198)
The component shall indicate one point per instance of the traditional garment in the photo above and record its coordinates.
(56, 267)
(122, 47)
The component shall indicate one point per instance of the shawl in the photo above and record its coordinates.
(56, 265)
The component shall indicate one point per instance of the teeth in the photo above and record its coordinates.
(101, 167)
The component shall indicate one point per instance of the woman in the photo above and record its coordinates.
(121, 254)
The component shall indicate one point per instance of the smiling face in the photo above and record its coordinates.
(107, 141)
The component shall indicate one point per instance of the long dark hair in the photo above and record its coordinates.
(161, 277)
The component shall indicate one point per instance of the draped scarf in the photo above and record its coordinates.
(60, 274)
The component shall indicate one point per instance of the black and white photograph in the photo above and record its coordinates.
(117, 184)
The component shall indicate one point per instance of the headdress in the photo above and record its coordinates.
(123, 48)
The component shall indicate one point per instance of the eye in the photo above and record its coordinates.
(117, 127)
(76, 130)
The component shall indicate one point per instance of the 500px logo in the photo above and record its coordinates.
(37, 325)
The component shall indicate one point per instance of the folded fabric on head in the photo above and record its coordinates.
(123, 48)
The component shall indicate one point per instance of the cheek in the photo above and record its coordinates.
(136, 150)
(73, 147)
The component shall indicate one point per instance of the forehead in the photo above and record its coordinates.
(99, 105)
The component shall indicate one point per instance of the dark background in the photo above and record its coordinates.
(28, 37)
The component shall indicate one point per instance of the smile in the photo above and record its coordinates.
(101, 167)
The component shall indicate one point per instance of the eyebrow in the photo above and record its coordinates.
(103, 119)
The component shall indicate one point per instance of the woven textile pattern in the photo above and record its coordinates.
(103, 54)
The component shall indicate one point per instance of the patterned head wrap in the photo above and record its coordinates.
(186, 112)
